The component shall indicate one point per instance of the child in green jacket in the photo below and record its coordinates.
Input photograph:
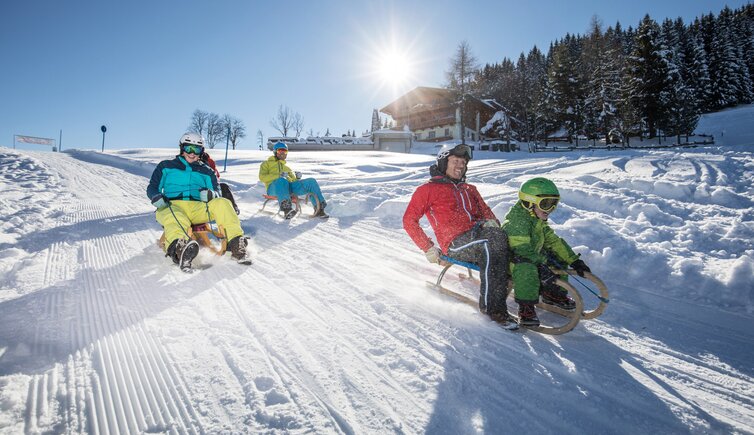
(531, 239)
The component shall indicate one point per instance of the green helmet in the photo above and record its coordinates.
(534, 191)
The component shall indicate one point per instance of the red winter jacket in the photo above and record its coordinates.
(452, 209)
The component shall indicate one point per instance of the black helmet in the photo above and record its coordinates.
(460, 150)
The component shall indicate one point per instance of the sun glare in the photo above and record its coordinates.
(394, 68)
(392, 64)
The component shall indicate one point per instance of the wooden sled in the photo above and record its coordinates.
(201, 233)
(295, 201)
(571, 318)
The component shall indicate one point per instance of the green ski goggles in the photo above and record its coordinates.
(192, 149)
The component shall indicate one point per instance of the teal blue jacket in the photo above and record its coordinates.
(177, 179)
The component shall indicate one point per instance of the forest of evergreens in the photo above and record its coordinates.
(625, 82)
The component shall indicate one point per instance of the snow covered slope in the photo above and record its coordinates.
(332, 330)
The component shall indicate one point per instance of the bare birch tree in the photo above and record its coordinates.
(298, 124)
(198, 122)
(233, 129)
(214, 130)
(283, 121)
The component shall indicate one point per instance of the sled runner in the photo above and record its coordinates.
(571, 318)
(295, 200)
(201, 233)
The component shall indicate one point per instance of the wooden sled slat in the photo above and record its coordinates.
(200, 233)
(573, 316)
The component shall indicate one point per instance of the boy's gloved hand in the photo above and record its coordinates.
(284, 175)
(298, 175)
(580, 267)
(160, 201)
(433, 254)
(545, 275)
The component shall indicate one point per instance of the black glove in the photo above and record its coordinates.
(545, 275)
(205, 195)
(160, 201)
(580, 267)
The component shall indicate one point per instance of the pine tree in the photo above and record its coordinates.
(679, 114)
(375, 120)
(463, 69)
(647, 74)
(601, 59)
(533, 78)
(741, 34)
(694, 69)
(564, 91)
(722, 64)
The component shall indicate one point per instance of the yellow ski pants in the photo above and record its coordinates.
(186, 213)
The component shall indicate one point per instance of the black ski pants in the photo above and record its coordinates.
(487, 247)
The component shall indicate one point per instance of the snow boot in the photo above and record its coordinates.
(527, 316)
(287, 209)
(505, 320)
(182, 252)
(321, 211)
(237, 248)
(553, 295)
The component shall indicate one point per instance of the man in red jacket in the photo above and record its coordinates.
(465, 228)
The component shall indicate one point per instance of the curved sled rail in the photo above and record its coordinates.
(573, 316)
(603, 296)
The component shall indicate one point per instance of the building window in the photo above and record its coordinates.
(431, 135)
(418, 136)
(447, 132)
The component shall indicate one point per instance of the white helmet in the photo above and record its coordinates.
(192, 139)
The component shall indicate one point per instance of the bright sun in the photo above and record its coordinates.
(391, 64)
(394, 68)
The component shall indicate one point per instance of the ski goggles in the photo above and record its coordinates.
(460, 150)
(192, 149)
(547, 203)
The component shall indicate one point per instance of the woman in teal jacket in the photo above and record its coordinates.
(185, 192)
(531, 239)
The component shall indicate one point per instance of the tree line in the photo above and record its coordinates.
(217, 129)
(655, 79)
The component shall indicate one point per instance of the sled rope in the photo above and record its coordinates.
(559, 265)
(178, 222)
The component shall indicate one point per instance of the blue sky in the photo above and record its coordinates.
(142, 67)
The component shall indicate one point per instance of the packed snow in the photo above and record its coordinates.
(333, 328)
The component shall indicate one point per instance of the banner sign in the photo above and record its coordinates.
(36, 140)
